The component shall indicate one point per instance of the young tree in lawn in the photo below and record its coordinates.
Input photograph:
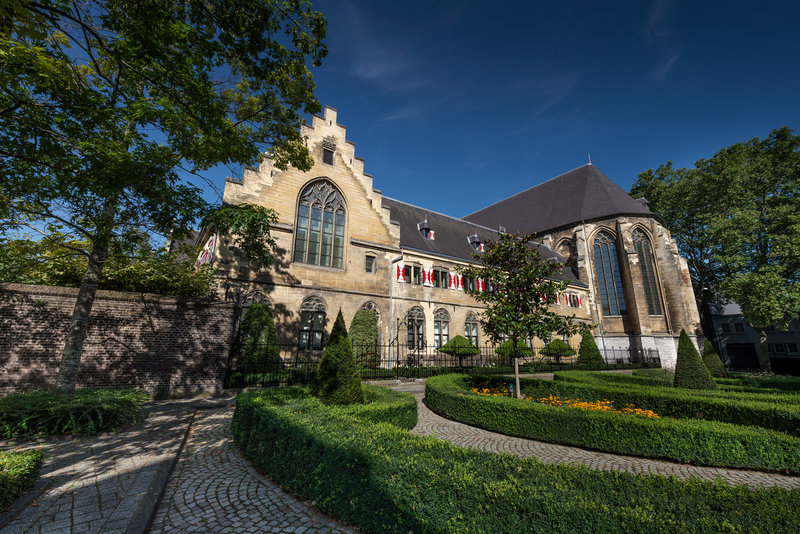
(112, 111)
(520, 288)
(736, 217)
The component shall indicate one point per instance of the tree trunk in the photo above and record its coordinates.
(516, 377)
(73, 348)
(763, 350)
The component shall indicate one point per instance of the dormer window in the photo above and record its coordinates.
(475, 243)
(425, 229)
(328, 149)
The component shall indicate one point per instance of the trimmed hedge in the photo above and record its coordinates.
(712, 361)
(384, 479)
(649, 378)
(87, 411)
(773, 412)
(693, 441)
(18, 472)
(690, 371)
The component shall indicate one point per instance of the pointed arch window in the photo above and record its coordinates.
(441, 327)
(471, 328)
(649, 280)
(320, 224)
(415, 319)
(609, 280)
(312, 323)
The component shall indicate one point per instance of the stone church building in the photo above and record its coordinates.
(343, 245)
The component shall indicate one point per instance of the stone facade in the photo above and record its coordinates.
(161, 344)
(372, 229)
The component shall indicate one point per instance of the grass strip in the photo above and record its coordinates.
(18, 473)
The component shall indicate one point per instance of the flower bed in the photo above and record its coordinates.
(504, 390)
(780, 413)
(690, 440)
(384, 479)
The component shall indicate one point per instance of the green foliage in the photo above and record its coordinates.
(712, 361)
(365, 337)
(18, 473)
(111, 119)
(337, 380)
(736, 218)
(588, 353)
(256, 347)
(772, 411)
(521, 289)
(507, 349)
(383, 479)
(690, 372)
(557, 349)
(58, 261)
(460, 347)
(683, 440)
(87, 411)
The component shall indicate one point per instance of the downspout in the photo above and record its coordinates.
(595, 313)
(391, 301)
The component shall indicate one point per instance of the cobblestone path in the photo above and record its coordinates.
(431, 424)
(214, 489)
(102, 483)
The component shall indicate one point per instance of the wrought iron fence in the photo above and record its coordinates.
(288, 364)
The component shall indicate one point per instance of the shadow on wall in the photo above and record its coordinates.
(161, 344)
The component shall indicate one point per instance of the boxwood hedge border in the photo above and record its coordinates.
(698, 442)
(383, 479)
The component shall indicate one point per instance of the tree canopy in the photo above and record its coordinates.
(736, 217)
(113, 111)
(520, 290)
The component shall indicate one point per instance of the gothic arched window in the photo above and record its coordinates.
(471, 328)
(415, 319)
(441, 327)
(319, 236)
(312, 323)
(649, 280)
(609, 280)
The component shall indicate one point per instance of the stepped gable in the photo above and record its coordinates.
(451, 235)
(583, 194)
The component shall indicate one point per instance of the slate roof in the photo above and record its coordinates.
(451, 235)
(582, 194)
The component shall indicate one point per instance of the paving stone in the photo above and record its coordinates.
(103, 478)
(214, 483)
(431, 424)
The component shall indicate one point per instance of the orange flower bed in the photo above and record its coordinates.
(600, 406)
(504, 390)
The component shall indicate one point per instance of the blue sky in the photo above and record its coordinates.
(455, 105)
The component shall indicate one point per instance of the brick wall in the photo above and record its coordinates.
(162, 344)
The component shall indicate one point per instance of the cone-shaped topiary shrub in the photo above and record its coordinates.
(460, 347)
(337, 380)
(364, 337)
(690, 372)
(588, 353)
(256, 348)
(712, 361)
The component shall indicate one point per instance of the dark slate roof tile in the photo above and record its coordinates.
(451, 235)
(582, 194)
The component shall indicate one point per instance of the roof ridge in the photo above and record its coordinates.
(495, 230)
(528, 189)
